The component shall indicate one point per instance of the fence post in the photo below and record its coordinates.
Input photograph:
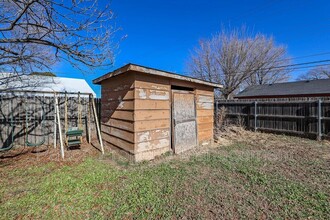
(55, 122)
(319, 120)
(216, 107)
(255, 116)
(98, 129)
(59, 127)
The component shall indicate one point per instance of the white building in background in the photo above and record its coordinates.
(10, 81)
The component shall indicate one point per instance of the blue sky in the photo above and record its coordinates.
(161, 34)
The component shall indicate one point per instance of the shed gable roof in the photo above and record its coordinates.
(152, 71)
(299, 88)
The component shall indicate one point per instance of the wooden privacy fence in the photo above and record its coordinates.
(30, 117)
(304, 118)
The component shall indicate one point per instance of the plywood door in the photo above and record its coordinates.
(184, 121)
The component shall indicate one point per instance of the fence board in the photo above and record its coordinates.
(298, 117)
(32, 116)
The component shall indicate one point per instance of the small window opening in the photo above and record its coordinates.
(182, 88)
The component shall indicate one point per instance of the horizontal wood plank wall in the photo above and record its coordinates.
(205, 114)
(136, 114)
(117, 122)
(152, 116)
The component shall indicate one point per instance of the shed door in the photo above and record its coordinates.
(184, 121)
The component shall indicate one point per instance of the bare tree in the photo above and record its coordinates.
(275, 63)
(316, 73)
(236, 59)
(35, 34)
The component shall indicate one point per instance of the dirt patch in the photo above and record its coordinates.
(24, 156)
(271, 147)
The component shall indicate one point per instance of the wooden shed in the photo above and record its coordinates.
(147, 112)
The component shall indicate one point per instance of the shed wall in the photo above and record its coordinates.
(136, 113)
(152, 116)
(205, 114)
(117, 121)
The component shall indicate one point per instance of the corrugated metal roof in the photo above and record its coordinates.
(152, 71)
(299, 88)
(9, 81)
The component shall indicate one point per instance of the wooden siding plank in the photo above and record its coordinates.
(204, 98)
(129, 127)
(151, 94)
(202, 113)
(149, 125)
(152, 85)
(158, 95)
(151, 115)
(125, 125)
(205, 119)
(117, 96)
(117, 105)
(118, 88)
(141, 104)
(205, 105)
(205, 126)
(119, 142)
(153, 145)
(208, 92)
(125, 115)
(126, 135)
(144, 136)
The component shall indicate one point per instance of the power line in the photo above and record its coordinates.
(306, 56)
(290, 67)
(296, 58)
(312, 55)
(307, 67)
(297, 64)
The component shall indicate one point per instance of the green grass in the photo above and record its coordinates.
(226, 183)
